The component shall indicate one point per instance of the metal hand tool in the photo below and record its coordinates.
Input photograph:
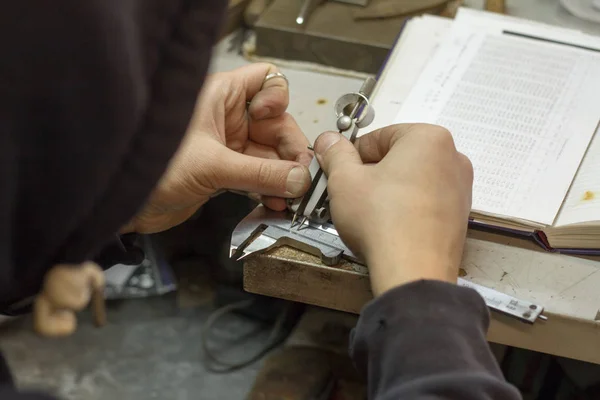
(264, 229)
(308, 6)
(353, 111)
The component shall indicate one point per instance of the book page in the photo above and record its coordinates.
(583, 201)
(418, 41)
(492, 21)
(523, 110)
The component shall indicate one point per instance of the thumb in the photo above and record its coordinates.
(334, 151)
(278, 178)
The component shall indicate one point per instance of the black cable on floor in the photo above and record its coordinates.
(276, 337)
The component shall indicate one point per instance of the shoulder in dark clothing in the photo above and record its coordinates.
(95, 97)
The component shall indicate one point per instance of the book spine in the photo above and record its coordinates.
(492, 228)
(387, 57)
(538, 237)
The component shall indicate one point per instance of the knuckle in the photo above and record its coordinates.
(386, 138)
(265, 176)
(284, 122)
(208, 174)
(438, 139)
(441, 136)
(467, 167)
(268, 66)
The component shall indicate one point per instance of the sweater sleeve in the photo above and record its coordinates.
(427, 340)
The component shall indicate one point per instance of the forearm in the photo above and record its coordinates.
(426, 339)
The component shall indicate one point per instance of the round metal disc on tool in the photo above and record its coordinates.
(346, 100)
(367, 113)
(366, 116)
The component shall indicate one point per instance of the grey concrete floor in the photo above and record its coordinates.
(150, 349)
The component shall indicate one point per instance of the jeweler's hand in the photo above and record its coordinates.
(401, 199)
(256, 148)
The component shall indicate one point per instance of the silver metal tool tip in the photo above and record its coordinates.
(302, 221)
(294, 218)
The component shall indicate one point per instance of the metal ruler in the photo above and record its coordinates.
(523, 310)
(265, 229)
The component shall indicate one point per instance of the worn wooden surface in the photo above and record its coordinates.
(566, 286)
(290, 274)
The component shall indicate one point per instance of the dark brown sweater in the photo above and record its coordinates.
(95, 96)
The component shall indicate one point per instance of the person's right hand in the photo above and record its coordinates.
(400, 198)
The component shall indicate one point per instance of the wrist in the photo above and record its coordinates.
(393, 267)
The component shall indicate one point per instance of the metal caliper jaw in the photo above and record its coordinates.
(264, 229)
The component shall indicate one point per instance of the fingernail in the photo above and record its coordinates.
(297, 181)
(258, 110)
(325, 141)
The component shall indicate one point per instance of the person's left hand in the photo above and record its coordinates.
(255, 148)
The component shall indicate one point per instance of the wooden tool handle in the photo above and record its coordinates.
(98, 307)
(495, 6)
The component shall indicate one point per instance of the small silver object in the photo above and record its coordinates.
(344, 122)
(276, 75)
(306, 9)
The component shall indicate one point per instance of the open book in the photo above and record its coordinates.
(522, 101)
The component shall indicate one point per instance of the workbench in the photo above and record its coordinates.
(568, 287)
